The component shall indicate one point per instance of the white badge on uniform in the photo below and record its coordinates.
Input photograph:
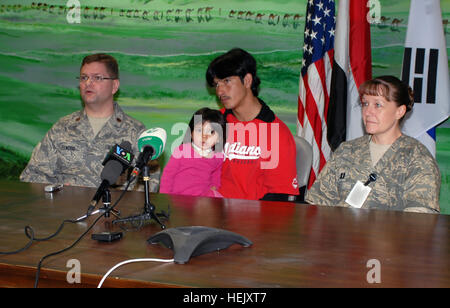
(360, 192)
(358, 195)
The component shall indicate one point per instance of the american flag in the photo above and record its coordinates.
(315, 80)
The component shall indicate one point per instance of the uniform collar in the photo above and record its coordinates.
(116, 118)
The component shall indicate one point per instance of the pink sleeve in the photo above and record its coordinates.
(217, 173)
(215, 178)
(169, 173)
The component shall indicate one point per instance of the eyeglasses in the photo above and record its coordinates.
(95, 78)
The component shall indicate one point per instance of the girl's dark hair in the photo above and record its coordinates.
(391, 88)
(236, 62)
(217, 121)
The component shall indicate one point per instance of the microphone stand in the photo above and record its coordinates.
(149, 208)
(106, 209)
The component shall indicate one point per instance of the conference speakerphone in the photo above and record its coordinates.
(187, 242)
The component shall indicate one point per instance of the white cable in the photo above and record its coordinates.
(86, 216)
(131, 261)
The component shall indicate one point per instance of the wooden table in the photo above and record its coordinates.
(293, 245)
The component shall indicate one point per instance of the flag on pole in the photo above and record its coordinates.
(351, 67)
(425, 69)
(315, 80)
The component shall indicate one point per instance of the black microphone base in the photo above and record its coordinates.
(107, 211)
(149, 208)
(139, 220)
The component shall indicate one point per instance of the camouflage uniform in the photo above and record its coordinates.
(71, 154)
(408, 177)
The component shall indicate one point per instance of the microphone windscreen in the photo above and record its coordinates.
(111, 171)
(155, 138)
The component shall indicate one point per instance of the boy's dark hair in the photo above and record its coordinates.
(109, 61)
(215, 118)
(236, 62)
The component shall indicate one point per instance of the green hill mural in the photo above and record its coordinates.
(163, 49)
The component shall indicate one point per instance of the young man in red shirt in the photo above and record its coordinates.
(260, 155)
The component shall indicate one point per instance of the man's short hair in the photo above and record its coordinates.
(109, 61)
(236, 62)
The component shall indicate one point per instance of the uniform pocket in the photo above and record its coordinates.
(72, 157)
(344, 187)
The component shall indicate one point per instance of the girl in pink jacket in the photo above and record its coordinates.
(195, 166)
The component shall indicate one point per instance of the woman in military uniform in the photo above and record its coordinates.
(384, 169)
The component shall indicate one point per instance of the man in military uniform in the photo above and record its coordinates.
(73, 150)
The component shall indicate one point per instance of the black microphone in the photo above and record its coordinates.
(144, 157)
(116, 162)
(372, 178)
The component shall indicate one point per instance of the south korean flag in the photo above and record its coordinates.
(425, 69)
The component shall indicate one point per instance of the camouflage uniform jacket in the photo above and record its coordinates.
(408, 177)
(71, 154)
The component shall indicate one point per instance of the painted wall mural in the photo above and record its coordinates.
(163, 48)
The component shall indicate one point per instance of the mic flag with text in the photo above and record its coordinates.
(351, 67)
(151, 144)
(115, 163)
(425, 69)
(121, 153)
(154, 138)
(315, 80)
